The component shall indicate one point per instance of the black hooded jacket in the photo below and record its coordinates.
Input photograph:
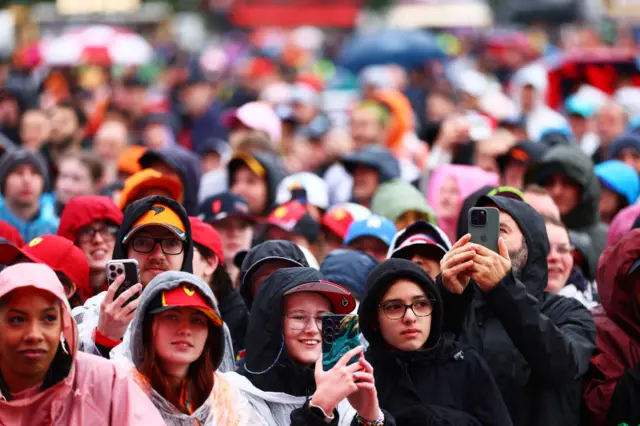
(140, 207)
(274, 170)
(538, 345)
(442, 384)
(625, 403)
(585, 217)
(186, 164)
(269, 250)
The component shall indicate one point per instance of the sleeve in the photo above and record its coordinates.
(87, 318)
(456, 307)
(303, 416)
(557, 343)
(130, 405)
(624, 407)
(484, 397)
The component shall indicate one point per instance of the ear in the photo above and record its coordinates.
(72, 289)
(212, 264)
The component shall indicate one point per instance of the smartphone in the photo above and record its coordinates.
(484, 227)
(130, 268)
(340, 334)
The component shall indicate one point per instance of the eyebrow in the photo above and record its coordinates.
(45, 310)
(417, 297)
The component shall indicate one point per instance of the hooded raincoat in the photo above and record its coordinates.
(269, 250)
(617, 326)
(537, 344)
(187, 166)
(275, 384)
(274, 173)
(573, 163)
(88, 315)
(225, 405)
(395, 198)
(444, 383)
(79, 389)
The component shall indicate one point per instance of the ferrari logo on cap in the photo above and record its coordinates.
(190, 291)
(280, 212)
(35, 242)
(340, 214)
(216, 206)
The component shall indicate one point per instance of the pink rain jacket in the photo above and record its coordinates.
(95, 393)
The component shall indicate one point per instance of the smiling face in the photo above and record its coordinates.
(304, 345)
(97, 242)
(31, 323)
(560, 258)
(410, 332)
(179, 337)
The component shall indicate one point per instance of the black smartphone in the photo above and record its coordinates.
(130, 268)
(484, 227)
(340, 334)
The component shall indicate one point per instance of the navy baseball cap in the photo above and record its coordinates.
(224, 205)
(374, 226)
(422, 236)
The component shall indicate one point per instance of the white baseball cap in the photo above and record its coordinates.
(315, 187)
(257, 116)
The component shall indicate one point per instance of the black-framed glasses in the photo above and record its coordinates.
(171, 246)
(107, 232)
(395, 310)
(300, 320)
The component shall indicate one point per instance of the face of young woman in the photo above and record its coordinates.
(30, 323)
(302, 336)
(408, 332)
(179, 337)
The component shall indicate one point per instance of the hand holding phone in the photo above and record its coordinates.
(484, 226)
(340, 334)
(119, 304)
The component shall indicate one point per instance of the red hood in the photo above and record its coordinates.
(617, 291)
(82, 211)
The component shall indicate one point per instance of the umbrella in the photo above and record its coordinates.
(602, 68)
(97, 45)
(405, 48)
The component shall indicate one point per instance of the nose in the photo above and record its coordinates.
(97, 237)
(311, 326)
(184, 327)
(34, 333)
(157, 251)
(409, 316)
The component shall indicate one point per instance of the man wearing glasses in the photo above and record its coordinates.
(156, 232)
(92, 223)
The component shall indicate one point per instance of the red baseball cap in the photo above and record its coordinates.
(10, 233)
(185, 296)
(206, 235)
(339, 218)
(58, 253)
(341, 299)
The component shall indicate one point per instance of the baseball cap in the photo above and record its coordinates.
(293, 217)
(316, 129)
(245, 159)
(341, 216)
(223, 205)
(59, 253)
(159, 215)
(314, 187)
(257, 116)
(128, 159)
(145, 180)
(420, 234)
(342, 301)
(374, 226)
(206, 235)
(10, 233)
(184, 296)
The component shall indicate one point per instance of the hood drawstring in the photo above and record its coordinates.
(272, 364)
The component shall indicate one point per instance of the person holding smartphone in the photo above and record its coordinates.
(537, 344)
(283, 377)
(177, 345)
(422, 374)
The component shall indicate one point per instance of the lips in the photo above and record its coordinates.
(33, 354)
(182, 344)
(311, 343)
(411, 332)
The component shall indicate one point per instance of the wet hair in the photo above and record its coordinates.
(221, 283)
(199, 376)
(91, 161)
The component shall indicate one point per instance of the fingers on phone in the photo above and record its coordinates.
(346, 357)
(126, 295)
(113, 288)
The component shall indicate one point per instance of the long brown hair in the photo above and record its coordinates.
(199, 377)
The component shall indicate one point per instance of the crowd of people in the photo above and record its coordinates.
(251, 215)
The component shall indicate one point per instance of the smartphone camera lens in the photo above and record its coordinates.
(112, 267)
(479, 218)
(120, 271)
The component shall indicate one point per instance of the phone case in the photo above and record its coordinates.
(340, 334)
(131, 270)
(486, 235)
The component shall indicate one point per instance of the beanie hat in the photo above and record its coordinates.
(16, 158)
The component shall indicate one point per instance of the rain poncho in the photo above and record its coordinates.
(79, 389)
(395, 198)
(225, 406)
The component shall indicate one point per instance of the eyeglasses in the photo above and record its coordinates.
(562, 249)
(300, 320)
(171, 246)
(107, 233)
(395, 310)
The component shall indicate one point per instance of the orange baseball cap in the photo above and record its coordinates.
(159, 215)
(145, 180)
(185, 296)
